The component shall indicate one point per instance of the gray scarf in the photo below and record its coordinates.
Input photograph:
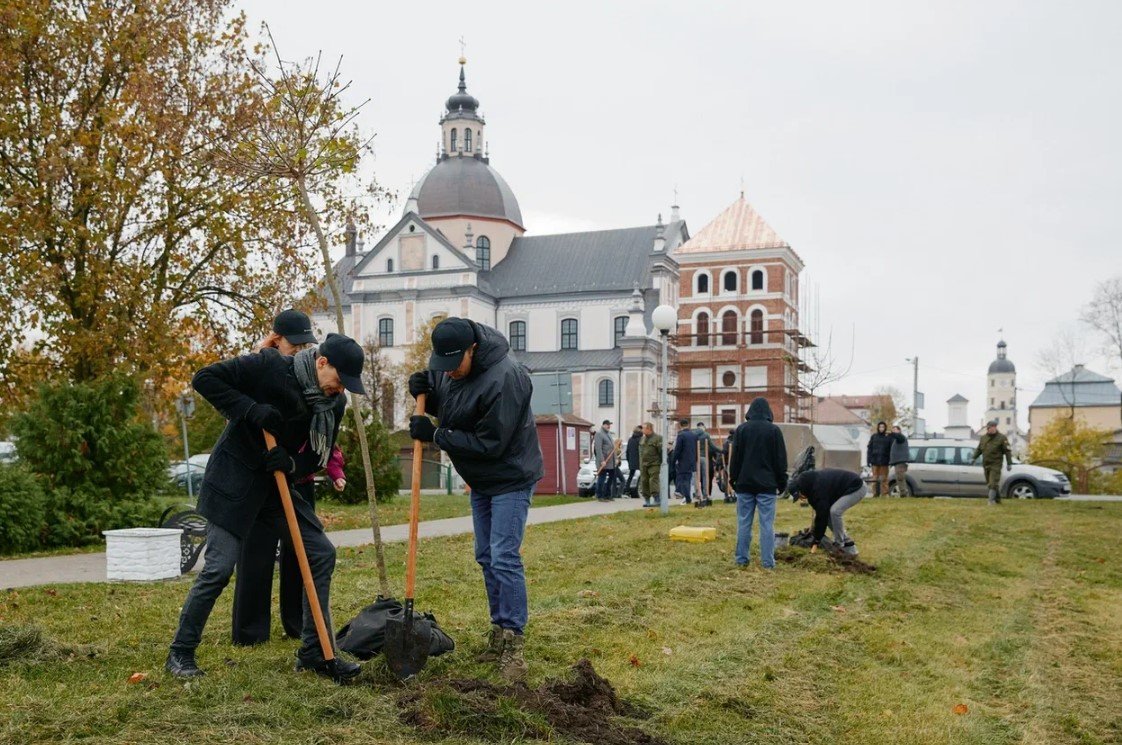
(323, 407)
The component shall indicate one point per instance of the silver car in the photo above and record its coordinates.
(586, 477)
(946, 468)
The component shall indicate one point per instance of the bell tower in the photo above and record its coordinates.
(462, 126)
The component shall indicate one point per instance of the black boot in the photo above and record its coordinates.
(338, 669)
(182, 665)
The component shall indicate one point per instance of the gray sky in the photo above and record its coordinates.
(944, 169)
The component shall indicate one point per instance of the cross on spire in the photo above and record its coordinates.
(463, 51)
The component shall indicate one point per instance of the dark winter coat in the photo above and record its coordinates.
(236, 486)
(486, 425)
(824, 487)
(879, 449)
(685, 451)
(899, 452)
(633, 451)
(759, 453)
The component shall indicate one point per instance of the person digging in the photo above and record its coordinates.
(481, 398)
(830, 491)
(294, 399)
(992, 448)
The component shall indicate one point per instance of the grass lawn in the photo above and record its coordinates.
(1011, 612)
(337, 516)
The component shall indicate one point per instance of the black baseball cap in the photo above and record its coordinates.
(345, 355)
(606, 421)
(451, 339)
(294, 326)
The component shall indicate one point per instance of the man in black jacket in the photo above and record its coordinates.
(878, 451)
(297, 399)
(758, 472)
(831, 491)
(633, 461)
(481, 398)
(898, 458)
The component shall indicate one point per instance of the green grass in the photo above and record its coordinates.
(337, 516)
(1011, 611)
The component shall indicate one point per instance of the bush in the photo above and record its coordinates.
(98, 460)
(383, 461)
(23, 506)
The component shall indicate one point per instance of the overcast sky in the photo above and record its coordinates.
(944, 169)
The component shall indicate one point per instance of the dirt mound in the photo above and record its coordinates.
(840, 559)
(584, 708)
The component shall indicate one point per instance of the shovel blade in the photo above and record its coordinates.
(407, 645)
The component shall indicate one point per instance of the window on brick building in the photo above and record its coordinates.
(729, 323)
(728, 416)
(730, 281)
(703, 329)
(757, 326)
(702, 284)
(728, 380)
(758, 279)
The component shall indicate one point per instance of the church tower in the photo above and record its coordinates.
(1001, 393)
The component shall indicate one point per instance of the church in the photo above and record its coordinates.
(575, 307)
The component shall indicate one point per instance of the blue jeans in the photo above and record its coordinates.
(747, 505)
(606, 483)
(500, 522)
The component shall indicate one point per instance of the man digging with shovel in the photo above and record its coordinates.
(481, 398)
(294, 400)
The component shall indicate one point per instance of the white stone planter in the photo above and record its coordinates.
(142, 554)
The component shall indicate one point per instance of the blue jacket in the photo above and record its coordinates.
(685, 451)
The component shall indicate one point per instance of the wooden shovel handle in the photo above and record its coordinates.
(414, 507)
(301, 557)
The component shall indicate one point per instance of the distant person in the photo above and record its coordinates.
(606, 458)
(831, 491)
(633, 464)
(992, 448)
(705, 464)
(685, 460)
(877, 453)
(650, 465)
(725, 483)
(757, 472)
(898, 458)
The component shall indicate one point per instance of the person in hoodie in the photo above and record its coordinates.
(878, 453)
(758, 472)
(481, 398)
(831, 491)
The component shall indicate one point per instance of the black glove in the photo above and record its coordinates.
(278, 459)
(421, 428)
(266, 417)
(419, 383)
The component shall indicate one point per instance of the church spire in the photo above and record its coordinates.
(461, 124)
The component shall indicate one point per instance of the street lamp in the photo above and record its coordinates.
(664, 318)
(185, 404)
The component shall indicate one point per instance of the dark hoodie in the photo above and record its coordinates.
(822, 488)
(486, 425)
(759, 455)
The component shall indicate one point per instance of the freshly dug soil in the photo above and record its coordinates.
(837, 557)
(583, 708)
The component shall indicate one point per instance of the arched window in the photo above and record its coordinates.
(619, 328)
(702, 284)
(518, 336)
(467, 140)
(703, 329)
(730, 281)
(435, 262)
(757, 326)
(452, 141)
(389, 265)
(758, 279)
(483, 252)
(385, 332)
(607, 392)
(569, 333)
(728, 328)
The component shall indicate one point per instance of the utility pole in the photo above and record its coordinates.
(915, 393)
(186, 405)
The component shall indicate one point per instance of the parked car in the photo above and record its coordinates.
(8, 452)
(946, 468)
(586, 477)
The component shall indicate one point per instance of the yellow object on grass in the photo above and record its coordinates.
(693, 535)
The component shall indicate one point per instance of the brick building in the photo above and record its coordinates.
(738, 321)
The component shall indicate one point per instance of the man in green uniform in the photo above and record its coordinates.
(992, 447)
(650, 465)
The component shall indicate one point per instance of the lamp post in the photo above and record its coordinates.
(664, 318)
(186, 406)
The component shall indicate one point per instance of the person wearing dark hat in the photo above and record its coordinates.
(481, 397)
(992, 448)
(606, 456)
(633, 460)
(298, 400)
(292, 332)
(830, 491)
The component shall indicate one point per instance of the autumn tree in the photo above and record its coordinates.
(417, 355)
(1072, 446)
(123, 246)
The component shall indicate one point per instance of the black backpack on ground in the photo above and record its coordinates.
(365, 634)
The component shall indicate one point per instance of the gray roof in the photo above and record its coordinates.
(957, 398)
(1079, 387)
(594, 261)
(465, 185)
(570, 360)
(1001, 365)
(345, 276)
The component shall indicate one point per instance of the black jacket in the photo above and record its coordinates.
(684, 456)
(824, 487)
(759, 453)
(880, 446)
(486, 425)
(236, 486)
(899, 453)
(633, 451)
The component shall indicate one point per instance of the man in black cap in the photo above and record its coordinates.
(481, 397)
(992, 448)
(292, 330)
(298, 400)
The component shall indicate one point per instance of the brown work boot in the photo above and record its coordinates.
(494, 650)
(512, 665)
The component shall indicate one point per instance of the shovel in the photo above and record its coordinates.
(407, 644)
(305, 570)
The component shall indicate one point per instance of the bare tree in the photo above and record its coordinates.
(1058, 361)
(1104, 314)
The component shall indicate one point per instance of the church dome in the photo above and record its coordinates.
(1001, 364)
(465, 186)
